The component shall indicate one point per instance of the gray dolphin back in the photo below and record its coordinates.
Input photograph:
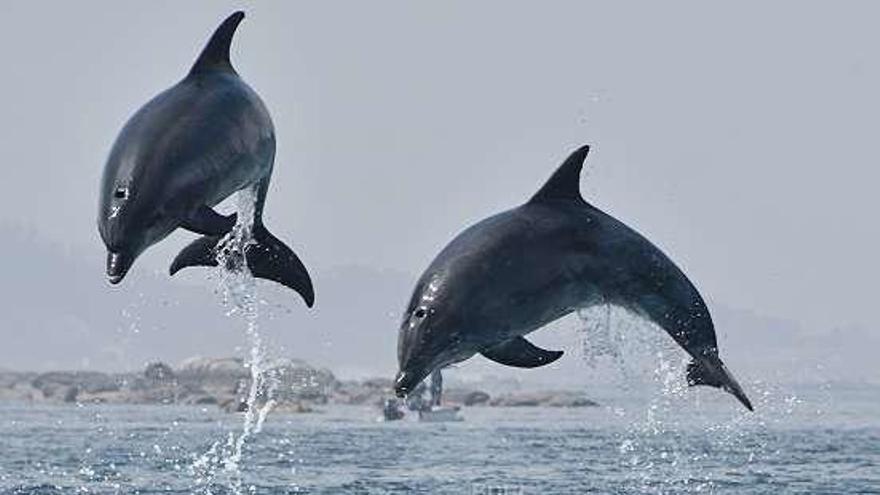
(184, 152)
(632, 272)
(267, 256)
(519, 270)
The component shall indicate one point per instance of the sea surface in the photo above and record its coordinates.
(817, 439)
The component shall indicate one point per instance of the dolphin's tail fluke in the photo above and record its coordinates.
(267, 258)
(271, 259)
(710, 370)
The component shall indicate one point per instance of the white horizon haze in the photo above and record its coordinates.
(739, 138)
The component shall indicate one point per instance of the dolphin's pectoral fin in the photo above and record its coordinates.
(709, 370)
(199, 252)
(267, 258)
(271, 259)
(206, 221)
(521, 353)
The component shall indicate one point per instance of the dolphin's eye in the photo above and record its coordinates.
(420, 313)
(121, 192)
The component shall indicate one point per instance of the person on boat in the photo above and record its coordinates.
(436, 388)
(391, 410)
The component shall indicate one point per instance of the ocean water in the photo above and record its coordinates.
(819, 439)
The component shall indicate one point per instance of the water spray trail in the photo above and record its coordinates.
(616, 341)
(638, 353)
(652, 439)
(240, 296)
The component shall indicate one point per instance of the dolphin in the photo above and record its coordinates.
(515, 272)
(184, 152)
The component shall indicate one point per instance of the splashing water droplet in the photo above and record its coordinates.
(238, 289)
(655, 436)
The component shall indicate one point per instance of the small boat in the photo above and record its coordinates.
(435, 412)
(429, 411)
(440, 414)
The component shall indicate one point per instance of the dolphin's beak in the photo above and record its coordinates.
(405, 382)
(117, 266)
(708, 369)
(733, 387)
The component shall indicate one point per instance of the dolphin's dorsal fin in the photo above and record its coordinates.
(564, 184)
(215, 55)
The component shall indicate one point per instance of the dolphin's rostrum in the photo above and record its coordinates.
(184, 152)
(519, 270)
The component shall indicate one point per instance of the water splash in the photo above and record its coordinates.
(239, 294)
(620, 346)
(657, 439)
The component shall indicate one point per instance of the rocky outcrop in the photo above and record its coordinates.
(373, 391)
(476, 398)
(557, 398)
(294, 385)
(465, 396)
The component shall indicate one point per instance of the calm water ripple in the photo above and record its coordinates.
(693, 445)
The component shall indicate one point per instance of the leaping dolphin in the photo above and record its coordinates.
(519, 270)
(184, 152)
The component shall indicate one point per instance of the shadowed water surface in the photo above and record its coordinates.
(820, 440)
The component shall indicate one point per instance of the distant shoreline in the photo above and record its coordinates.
(223, 383)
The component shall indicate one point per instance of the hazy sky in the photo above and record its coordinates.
(740, 138)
